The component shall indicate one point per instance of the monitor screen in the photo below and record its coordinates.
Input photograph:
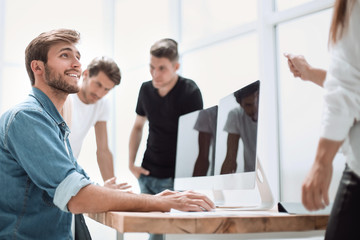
(216, 147)
(237, 132)
(196, 144)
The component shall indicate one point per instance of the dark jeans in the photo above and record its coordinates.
(153, 185)
(81, 230)
(343, 223)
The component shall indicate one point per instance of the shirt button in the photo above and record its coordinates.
(63, 124)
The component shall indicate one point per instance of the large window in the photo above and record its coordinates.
(24, 20)
(286, 4)
(203, 18)
(135, 30)
(300, 103)
(222, 68)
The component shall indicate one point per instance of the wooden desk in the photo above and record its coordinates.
(230, 222)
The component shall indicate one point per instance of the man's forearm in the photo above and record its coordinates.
(103, 153)
(94, 199)
(134, 143)
(106, 164)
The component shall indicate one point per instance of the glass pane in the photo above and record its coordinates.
(126, 98)
(15, 87)
(222, 68)
(27, 19)
(137, 28)
(201, 18)
(286, 4)
(300, 103)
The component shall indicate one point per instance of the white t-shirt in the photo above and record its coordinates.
(206, 122)
(342, 91)
(84, 116)
(238, 122)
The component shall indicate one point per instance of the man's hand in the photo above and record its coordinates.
(187, 201)
(137, 171)
(111, 183)
(228, 167)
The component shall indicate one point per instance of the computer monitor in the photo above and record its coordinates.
(216, 147)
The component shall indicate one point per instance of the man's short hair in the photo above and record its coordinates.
(107, 66)
(39, 47)
(165, 48)
(247, 91)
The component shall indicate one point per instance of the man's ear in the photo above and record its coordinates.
(177, 66)
(85, 74)
(37, 67)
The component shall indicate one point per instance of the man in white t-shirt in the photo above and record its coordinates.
(242, 124)
(90, 108)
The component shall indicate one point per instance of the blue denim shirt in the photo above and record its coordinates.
(38, 172)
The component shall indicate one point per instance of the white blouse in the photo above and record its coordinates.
(342, 90)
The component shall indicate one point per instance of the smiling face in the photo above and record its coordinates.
(94, 87)
(63, 68)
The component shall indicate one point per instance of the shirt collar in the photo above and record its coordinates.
(48, 105)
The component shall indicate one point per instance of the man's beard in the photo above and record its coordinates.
(57, 82)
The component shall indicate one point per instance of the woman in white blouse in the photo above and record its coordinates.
(341, 116)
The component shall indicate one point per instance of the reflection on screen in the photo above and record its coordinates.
(206, 127)
(237, 131)
(218, 143)
(196, 143)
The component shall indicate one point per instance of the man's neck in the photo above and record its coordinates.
(56, 96)
(166, 89)
(81, 95)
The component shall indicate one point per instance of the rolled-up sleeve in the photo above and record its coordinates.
(68, 188)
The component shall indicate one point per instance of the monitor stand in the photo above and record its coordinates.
(262, 184)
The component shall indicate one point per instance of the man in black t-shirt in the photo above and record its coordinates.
(161, 101)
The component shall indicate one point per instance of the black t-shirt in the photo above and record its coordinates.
(163, 114)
